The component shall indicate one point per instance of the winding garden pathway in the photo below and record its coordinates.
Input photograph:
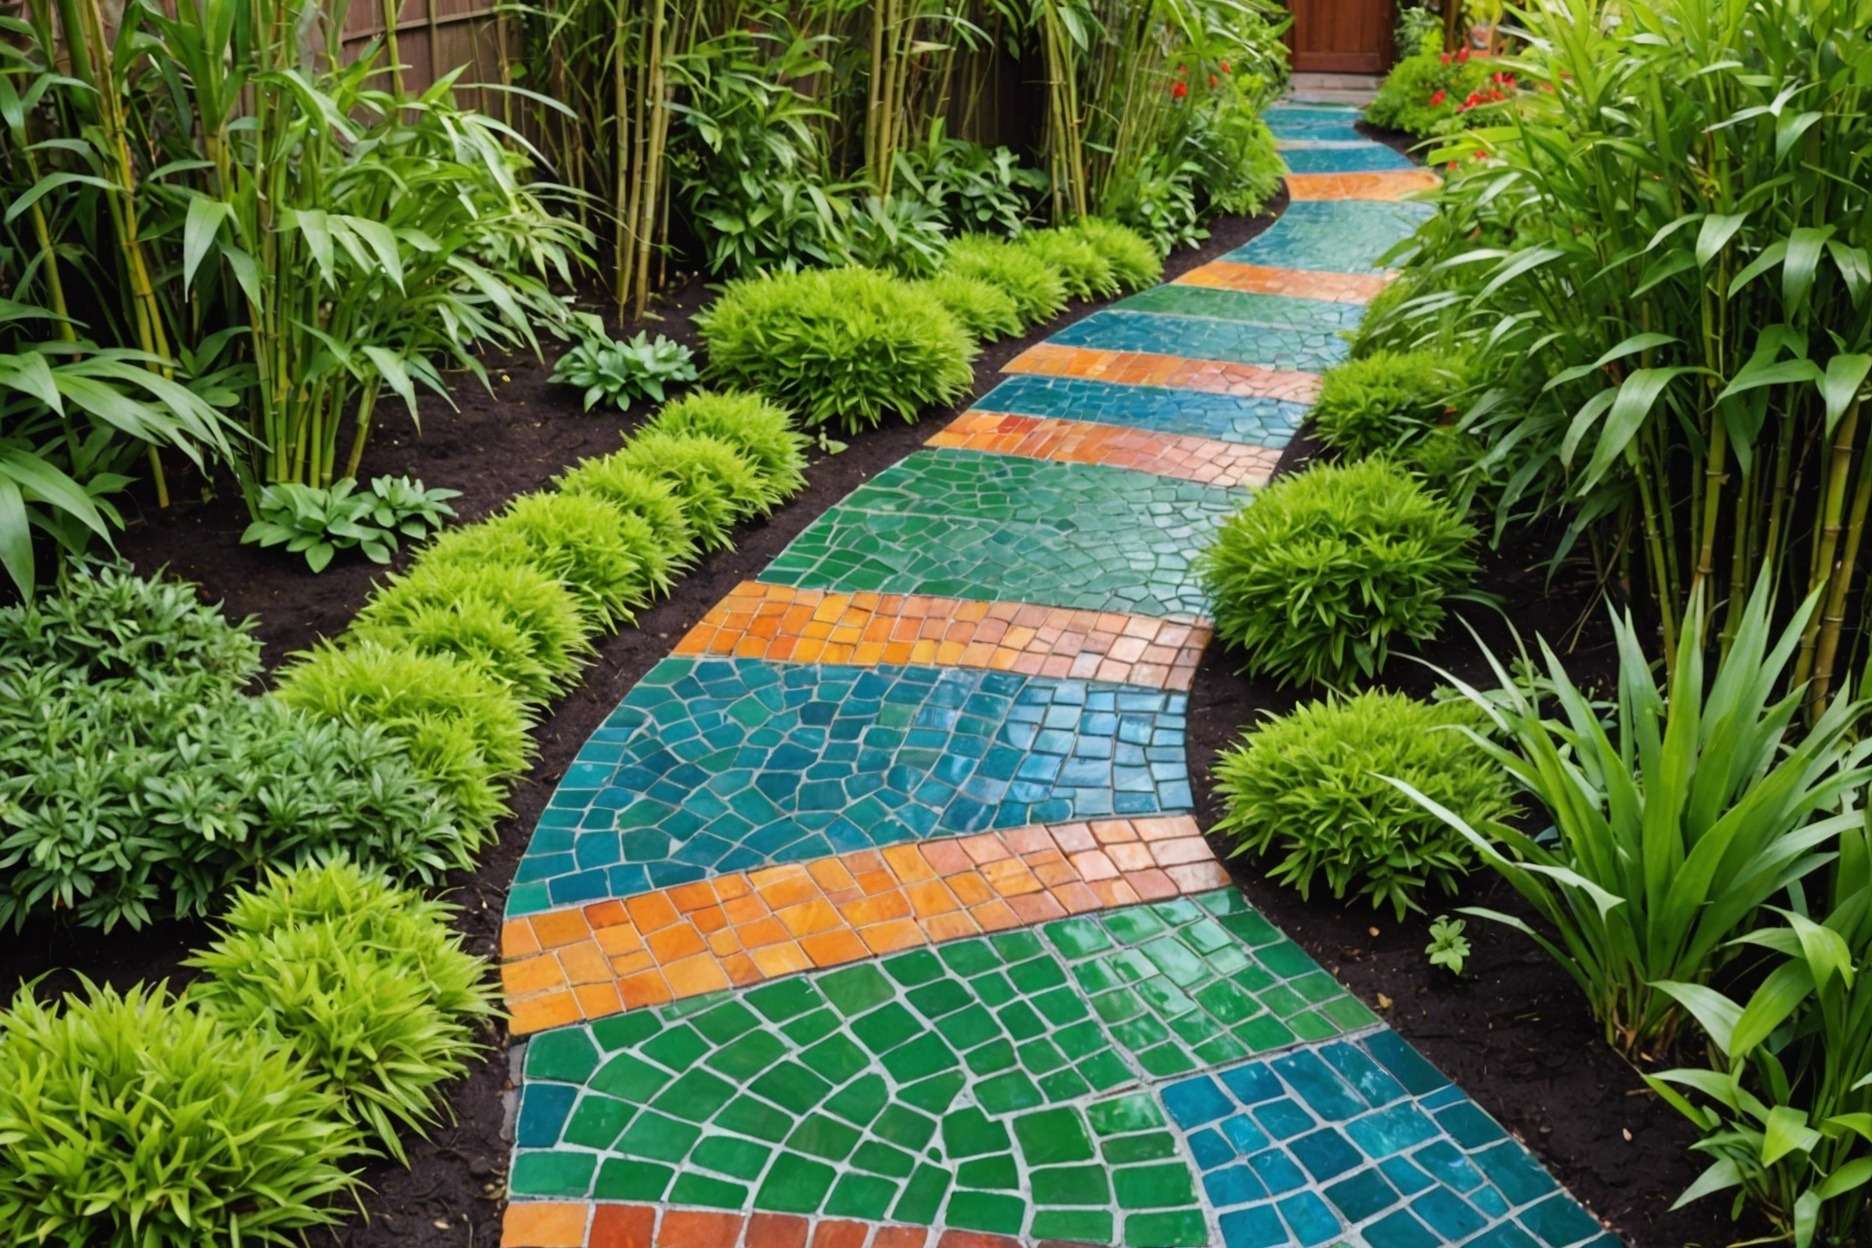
(876, 914)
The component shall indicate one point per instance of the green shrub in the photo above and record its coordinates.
(1134, 263)
(466, 732)
(639, 493)
(1318, 577)
(1384, 402)
(610, 560)
(133, 1121)
(363, 981)
(1036, 285)
(717, 485)
(1088, 274)
(511, 620)
(1310, 786)
(762, 432)
(1429, 93)
(1241, 165)
(843, 346)
(986, 311)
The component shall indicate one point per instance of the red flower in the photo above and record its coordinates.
(1212, 80)
(1462, 56)
(1479, 155)
(1446, 58)
(1474, 99)
(1439, 97)
(1178, 90)
(1225, 67)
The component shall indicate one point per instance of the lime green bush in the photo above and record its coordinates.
(640, 493)
(845, 347)
(985, 310)
(1310, 787)
(761, 431)
(1323, 573)
(718, 485)
(1087, 272)
(362, 980)
(132, 1121)
(610, 560)
(1036, 285)
(1382, 403)
(1134, 262)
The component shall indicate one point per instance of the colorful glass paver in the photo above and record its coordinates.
(1306, 157)
(1254, 421)
(995, 527)
(875, 918)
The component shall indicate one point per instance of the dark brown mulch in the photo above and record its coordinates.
(1514, 1034)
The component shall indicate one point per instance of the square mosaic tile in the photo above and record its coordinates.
(1274, 311)
(1200, 338)
(994, 1084)
(1300, 283)
(1341, 236)
(1203, 460)
(1226, 418)
(710, 766)
(999, 527)
(1151, 368)
(1362, 1141)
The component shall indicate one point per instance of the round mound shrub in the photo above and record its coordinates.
(985, 310)
(1309, 788)
(843, 346)
(1135, 264)
(717, 484)
(1384, 402)
(608, 559)
(351, 992)
(1088, 274)
(761, 431)
(1036, 285)
(1324, 572)
(639, 493)
(134, 1121)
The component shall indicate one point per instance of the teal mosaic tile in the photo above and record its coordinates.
(1317, 123)
(717, 765)
(1337, 236)
(1275, 311)
(1362, 1141)
(1197, 338)
(1365, 158)
(1161, 409)
(999, 527)
(992, 1084)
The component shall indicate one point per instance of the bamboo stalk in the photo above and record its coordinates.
(1832, 514)
(1841, 576)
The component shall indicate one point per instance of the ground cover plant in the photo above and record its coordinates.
(1037, 287)
(984, 310)
(620, 373)
(1326, 572)
(761, 432)
(1307, 790)
(320, 522)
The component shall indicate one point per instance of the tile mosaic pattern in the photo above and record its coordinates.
(999, 1084)
(1390, 186)
(1363, 1141)
(711, 766)
(1344, 236)
(1151, 368)
(739, 929)
(873, 918)
(1198, 338)
(783, 624)
(1260, 279)
(1082, 442)
(1262, 422)
(1277, 311)
(1003, 528)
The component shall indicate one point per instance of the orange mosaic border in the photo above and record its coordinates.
(1261, 279)
(1180, 455)
(782, 624)
(1390, 184)
(1147, 368)
(581, 1224)
(587, 962)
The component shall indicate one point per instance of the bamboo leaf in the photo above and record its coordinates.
(1636, 397)
(16, 553)
(205, 218)
(1804, 247)
(1840, 387)
(1718, 229)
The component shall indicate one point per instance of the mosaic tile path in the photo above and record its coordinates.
(876, 916)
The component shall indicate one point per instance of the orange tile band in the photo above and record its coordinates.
(1388, 185)
(782, 624)
(1259, 279)
(1145, 368)
(1084, 442)
(579, 1224)
(587, 962)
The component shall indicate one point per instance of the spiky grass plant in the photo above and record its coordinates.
(762, 431)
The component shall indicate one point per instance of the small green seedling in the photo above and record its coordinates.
(1448, 947)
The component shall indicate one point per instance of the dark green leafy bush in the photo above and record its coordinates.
(610, 560)
(132, 1121)
(1434, 92)
(843, 346)
(511, 620)
(1310, 786)
(985, 310)
(899, 235)
(1036, 285)
(364, 981)
(717, 485)
(1088, 274)
(320, 521)
(466, 732)
(1323, 573)
(620, 373)
(761, 431)
(1134, 263)
(1242, 169)
(970, 186)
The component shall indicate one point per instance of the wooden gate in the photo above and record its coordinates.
(1341, 36)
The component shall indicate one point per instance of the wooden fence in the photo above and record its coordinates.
(436, 36)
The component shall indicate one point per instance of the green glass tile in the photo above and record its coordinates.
(1313, 1026)
(905, 1126)
(794, 1184)
(1186, 1229)
(821, 1136)
(993, 989)
(922, 1196)
(1317, 986)
(652, 1134)
(1003, 1094)
(1283, 1000)
(886, 1027)
(1072, 1185)
(1285, 959)
(1264, 1033)
(933, 1000)
(916, 967)
(751, 1117)
(563, 1056)
(969, 1027)
(934, 1094)
(1136, 1112)
(1349, 1013)
(695, 1096)
(861, 1101)
(989, 1058)
(835, 1059)
(1165, 1185)
(1051, 1136)
(880, 1158)
(598, 1121)
(748, 1056)
(783, 999)
(1040, 1056)
(675, 1047)
(1166, 1060)
(1064, 1085)
(1020, 1020)
(628, 1077)
(1151, 1146)
(855, 989)
(743, 1159)
(1083, 1226)
(993, 1172)
(620, 1031)
(1080, 1040)
(1061, 1006)
(1221, 1051)
(968, 957)
(622, 1179)
(807, 1028)
(861, 1196)
(983, 1211)
(552, 1174)
(925, 1055)
(725, 1022)
(969, 1133)
(1076, 938)
(1133, 926)
(1105, 1070)
(1036, 974)
(1226, 1003)
(791, 1086)
(702, 1189)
